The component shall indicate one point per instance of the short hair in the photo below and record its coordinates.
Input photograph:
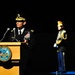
(60, 23)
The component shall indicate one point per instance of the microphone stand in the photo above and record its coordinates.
(4, 34)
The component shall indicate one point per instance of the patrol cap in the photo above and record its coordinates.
(20, 19)
(60, 23)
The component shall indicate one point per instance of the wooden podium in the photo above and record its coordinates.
(15, 50)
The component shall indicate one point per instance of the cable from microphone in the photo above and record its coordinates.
(4, 34)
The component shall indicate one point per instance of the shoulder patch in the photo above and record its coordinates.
(32, 30)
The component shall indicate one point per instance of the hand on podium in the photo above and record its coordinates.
(26, 41)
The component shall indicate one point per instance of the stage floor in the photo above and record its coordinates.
(66, 73)
(53, 73)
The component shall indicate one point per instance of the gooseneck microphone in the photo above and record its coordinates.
(14, 37)
(4, 34)
(14, 32)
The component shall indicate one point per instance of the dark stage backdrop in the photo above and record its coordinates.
(44, 55)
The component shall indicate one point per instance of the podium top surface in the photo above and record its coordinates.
(10, 43)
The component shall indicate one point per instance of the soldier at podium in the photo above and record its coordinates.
(21, 34)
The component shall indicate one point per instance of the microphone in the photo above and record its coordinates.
(14, 32)
(5, 34)
(14, 38)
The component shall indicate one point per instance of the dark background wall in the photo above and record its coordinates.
(42, 17)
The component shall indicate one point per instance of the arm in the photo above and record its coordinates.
(62, 38)
(30, 42)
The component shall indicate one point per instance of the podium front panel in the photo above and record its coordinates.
(13, 71)
(14, 47)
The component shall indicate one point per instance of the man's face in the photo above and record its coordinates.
(59, 27)
(20, 24)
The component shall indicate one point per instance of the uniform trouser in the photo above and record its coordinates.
(26, 60)
(61, 61)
